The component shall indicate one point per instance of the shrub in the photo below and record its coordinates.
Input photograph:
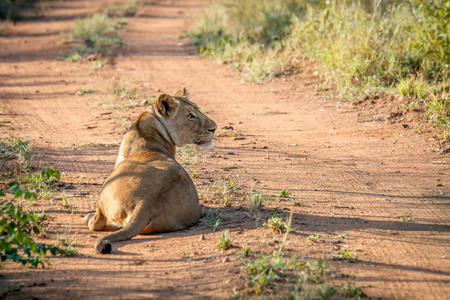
(14, 10)
(361, 48)
(98, 35)
(17, 226)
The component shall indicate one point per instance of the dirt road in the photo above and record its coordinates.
(351, 177)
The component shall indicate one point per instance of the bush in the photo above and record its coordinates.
(14, 9)
(17, 226)
(364, 52)
(98, 35)
(361, 49)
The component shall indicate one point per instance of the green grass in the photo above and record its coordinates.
(285, 194)
(123, 10)
(123, 91)
(313, 238)
(41, 183)
(230, 132)
(276, 224)
(212, 217)
(280, 277)
(224, 189)
(66, 243)
(360, 50)
(347, 256)
(19, 151)
(194, 174)
(82, 92)
(297, 202)
(225, 241)
(96, 35)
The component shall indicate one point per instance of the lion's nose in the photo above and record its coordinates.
(212, 127)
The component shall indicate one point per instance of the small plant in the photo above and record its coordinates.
(276, 224)
(106, 103)
(66, 202)
(74, 57)
(255, 201)
(266, 272)
(297, 203)
(188, 149)
(194, 174)
(406, 219)
(66, 243)
(17, 149)
(189, 156)
(313, 238)
(225, 241)
(224, 189)
(244, 252)
(395, 138)
(347, 256)
(216, 225)
(149, 101)
(227, 200)
(352, 291)
(230, 132)
(81, 92)
(212, 217)
(122, 91)
(98, 64)
(41, 183)
(285, 194)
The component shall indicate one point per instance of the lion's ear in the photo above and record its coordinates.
(167, 106)
(182, 93)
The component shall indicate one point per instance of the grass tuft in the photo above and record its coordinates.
(276, 224)
(96, 35)
(225, 241)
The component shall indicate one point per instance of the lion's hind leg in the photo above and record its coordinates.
(140, 218)
(95, 221)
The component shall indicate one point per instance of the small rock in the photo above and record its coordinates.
(202, 237)
(226, 259)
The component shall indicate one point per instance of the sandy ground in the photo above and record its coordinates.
(352, 175)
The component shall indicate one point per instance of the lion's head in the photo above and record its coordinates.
(184, 121)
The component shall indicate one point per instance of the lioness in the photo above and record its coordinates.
(148, 191)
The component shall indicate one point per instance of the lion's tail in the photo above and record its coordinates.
(134, 226)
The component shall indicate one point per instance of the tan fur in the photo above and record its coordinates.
(148, 191)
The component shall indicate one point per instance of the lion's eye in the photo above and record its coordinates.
(191, 117)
